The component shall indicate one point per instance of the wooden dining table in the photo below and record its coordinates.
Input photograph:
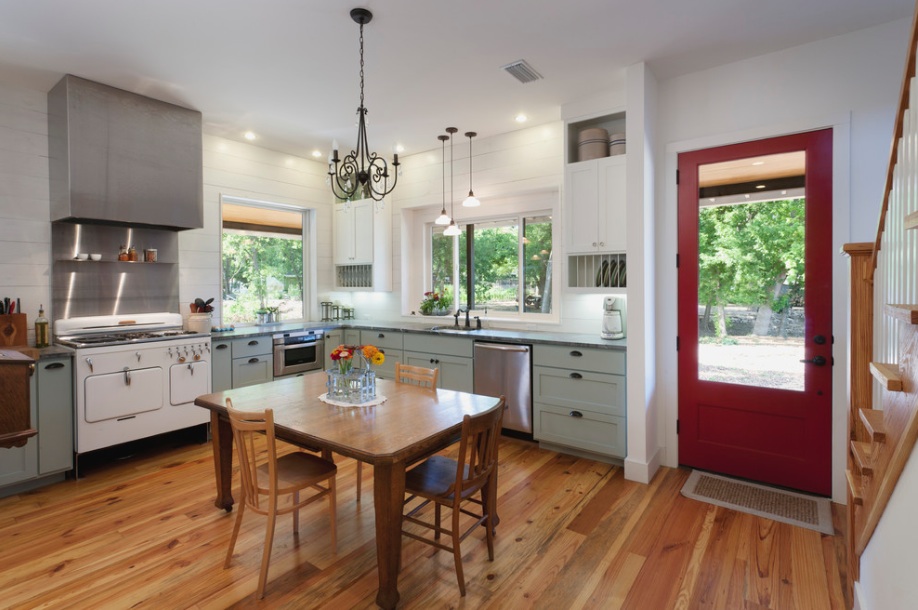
(412, 423)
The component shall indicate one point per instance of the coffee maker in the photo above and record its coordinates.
(612, 324)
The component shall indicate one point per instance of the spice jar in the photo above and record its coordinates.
(123, 253)
(132, 254)
(149, 255)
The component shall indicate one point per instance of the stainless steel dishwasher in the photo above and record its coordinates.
(506, 369)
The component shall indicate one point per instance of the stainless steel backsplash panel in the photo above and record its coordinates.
(89, 288)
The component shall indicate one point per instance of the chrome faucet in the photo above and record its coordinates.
(467, 323)
(456, 318)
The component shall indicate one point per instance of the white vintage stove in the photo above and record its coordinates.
(134, 376)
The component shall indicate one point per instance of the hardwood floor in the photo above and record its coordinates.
(143, 533)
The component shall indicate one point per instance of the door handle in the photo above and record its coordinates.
(817, 360)
(127, 376)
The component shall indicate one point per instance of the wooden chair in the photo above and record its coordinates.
(263, 484)
(406, 373)
(418, 375)
(450, 483)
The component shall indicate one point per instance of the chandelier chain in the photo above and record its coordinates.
(361, 65)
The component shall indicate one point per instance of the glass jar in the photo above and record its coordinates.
(123, 253)
(132, 254)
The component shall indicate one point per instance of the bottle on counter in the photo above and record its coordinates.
(42, 329)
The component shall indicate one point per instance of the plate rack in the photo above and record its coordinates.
(598, 271)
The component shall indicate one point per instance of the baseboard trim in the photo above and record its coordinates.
(642, 472)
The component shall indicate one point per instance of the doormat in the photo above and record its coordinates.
(811, 512)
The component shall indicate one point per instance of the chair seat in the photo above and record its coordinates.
(296, 471)
(433, 477)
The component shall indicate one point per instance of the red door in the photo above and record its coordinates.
(755, 310)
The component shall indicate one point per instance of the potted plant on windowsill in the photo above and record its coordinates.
(435, 304)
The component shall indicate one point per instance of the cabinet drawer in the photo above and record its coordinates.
(383, 339)
(576, 390)
(252, 370)
(589, 431)
(447, 346)
(252, 346)
(580, 358)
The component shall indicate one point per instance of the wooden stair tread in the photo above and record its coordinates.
(874, 424)
(855, 488)
(906, 313)
(863, 454)
(888, 375)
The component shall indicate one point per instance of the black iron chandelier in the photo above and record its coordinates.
(361, 173)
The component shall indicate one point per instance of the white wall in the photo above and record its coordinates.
(25, 205)
(849, 82)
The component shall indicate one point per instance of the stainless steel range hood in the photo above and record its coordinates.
(119, 158)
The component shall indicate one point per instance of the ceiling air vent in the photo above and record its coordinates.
(522, 71)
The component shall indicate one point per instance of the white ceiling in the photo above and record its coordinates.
(288, 69)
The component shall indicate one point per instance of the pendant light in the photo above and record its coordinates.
(453, 229)
(443, 219)
(361, 171)
(471, 201)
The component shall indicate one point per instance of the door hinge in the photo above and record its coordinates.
(677, 426)
(677, 261)
(677, 176)
(677, 344)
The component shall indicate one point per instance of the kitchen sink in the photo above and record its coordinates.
(452, 329)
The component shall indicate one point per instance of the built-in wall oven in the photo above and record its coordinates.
(298, 352)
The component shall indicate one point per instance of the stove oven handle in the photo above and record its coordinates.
(89, 362)
(191, 368)
(127, 376)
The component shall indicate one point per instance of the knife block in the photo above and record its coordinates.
(13, 330)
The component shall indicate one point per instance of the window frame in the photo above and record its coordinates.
(516, 217)
(310, 307)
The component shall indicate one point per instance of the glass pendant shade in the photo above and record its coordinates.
(452, 230)
(471, 201)
(442, 219)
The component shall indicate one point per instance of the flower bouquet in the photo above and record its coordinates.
(435, 304)
(349, 384)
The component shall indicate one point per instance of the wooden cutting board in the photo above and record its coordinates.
(13, 330)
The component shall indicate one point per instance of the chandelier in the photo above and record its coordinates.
(361, 172)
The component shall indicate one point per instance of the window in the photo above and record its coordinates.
(506, 261)
(263, 261)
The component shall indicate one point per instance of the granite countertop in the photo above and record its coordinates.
(494, 334)
(39, 353)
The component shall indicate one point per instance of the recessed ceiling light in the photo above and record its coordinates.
(250, 135)
(521, 118)
(759, 186)
(758, 163)
(317, 153)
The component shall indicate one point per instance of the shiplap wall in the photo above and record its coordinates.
(25, 231)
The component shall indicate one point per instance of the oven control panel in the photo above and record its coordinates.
(189, 352)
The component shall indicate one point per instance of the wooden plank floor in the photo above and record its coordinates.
(143, 533)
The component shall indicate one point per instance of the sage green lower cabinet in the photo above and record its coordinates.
(221, 360)
(51, 450)
(333, 338)
(391, 344)
(236, 363)
(55, 415)
(452, 355)
(579, 398)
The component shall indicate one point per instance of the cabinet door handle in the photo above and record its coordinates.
(253, 342)
(253, 360)
(54, 365)
(576, 414)
(222, 345)
(380, 336)
(594, 244)
(576, 376)
(576, 354)
(602, 244)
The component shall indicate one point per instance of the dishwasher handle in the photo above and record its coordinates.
(501, 347)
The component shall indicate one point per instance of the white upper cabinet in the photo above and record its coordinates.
(595, 205)
(363, 246)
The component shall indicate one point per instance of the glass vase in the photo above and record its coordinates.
(356, 386)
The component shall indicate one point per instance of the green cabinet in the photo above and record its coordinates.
(579, 398)
(240, 362)
(452, 355)
(390, 342)
(51, 450)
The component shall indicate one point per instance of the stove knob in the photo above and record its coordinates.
(197, 356)
(138, 356)
(170, 352)
(89, 362)
(181, 359)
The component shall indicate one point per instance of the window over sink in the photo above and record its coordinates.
(263, 261)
